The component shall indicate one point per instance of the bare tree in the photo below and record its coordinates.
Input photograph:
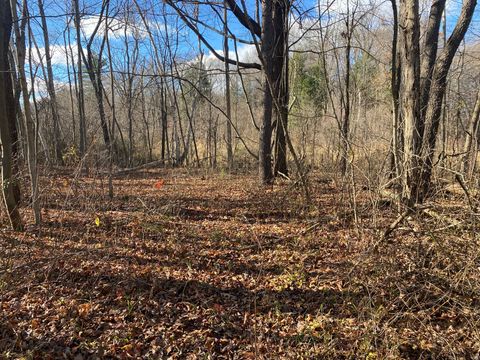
(51, 86)
(424, 80)
(30, 129)
(227, 91)
(6, 97)
(80, 93)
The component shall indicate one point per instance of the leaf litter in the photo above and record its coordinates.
(186, 266)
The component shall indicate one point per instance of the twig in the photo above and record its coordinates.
(397, 221)
(460, 180)
(435, 215)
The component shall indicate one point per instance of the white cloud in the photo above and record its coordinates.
(58, 54)
(246, 53)
(117, 28)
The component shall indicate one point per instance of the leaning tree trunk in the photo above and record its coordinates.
(6, 97)
(437, 95)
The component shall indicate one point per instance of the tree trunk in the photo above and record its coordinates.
(265, 147)
(280, 84)
(51, 87)
(437, 95)
(273, 54)
(6, 97)
(410, 96)
(347, 106)
(30, 130)
(227, 93)
(471, 136)
(80, 98)
(11, 113)
(397, 134)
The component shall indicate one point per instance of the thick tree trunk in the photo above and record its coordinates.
(281, 11)
(281, 164)
(267, 47)
(11, 113)
(6, 97)
(429, 55)
(437, 95)
(410, 96)
(265, 146)
(273, 53)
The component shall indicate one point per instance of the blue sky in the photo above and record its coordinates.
(187, 47)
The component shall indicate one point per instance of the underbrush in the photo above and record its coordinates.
(214, 266)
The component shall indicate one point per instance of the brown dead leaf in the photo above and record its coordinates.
(84, 309)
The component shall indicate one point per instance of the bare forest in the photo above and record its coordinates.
(240, 179)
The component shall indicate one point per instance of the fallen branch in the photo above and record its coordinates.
(449, 220)
(397, 221)
(140, 167)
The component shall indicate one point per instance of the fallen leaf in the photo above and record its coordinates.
(84, 309)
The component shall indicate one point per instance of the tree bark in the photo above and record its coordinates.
(281, 11)
(30, 129)
(437, 95)
(429, 55)
(397, 125)
(471, 136)
(410, 96)
(6, 97)
(80, 97)
(227, 94)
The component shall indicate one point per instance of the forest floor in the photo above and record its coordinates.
(190, 265)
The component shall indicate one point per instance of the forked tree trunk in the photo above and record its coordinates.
(437, 95)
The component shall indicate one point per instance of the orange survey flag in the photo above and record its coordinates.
(159, 184)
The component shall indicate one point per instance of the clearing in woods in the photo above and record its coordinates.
(183, 266)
